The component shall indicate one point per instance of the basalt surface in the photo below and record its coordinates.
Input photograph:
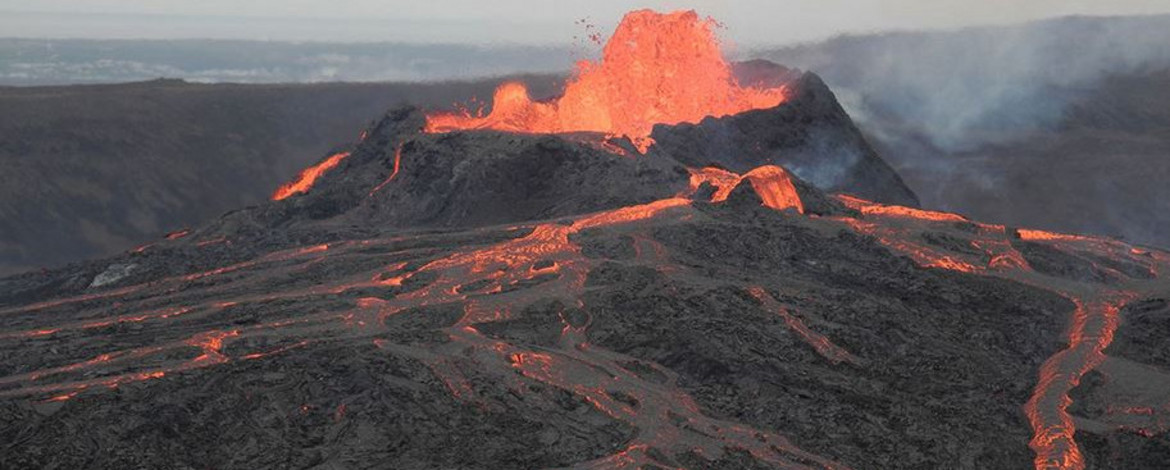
(483, 299)
(652, 329)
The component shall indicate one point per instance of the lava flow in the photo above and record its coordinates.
(1091, 327)
(393, 174)
(308, 176)
(656, 69)
(373, 286)
(771, 183)
(491, 282)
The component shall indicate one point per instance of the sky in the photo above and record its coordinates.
(748, 22)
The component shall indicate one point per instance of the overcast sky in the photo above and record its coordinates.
(749, 22)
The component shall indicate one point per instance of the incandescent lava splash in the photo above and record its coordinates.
(656, 69)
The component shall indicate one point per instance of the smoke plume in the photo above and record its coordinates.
(980, 85)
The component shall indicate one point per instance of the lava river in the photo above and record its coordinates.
(1089, 332)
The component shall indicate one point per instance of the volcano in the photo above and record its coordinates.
(752, 287)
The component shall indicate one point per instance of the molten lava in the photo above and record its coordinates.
(1090, 331)
(723, 181)
(305, 180)
(772, 183)
(397, 162)
(775, 188)
(656, 69)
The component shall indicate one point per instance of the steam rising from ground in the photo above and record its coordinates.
(1061, 124)
(980, 85)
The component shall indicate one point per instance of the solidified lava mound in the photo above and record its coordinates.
(401, 176)
(481, 298)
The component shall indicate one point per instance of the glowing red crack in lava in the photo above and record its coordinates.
(656, 69)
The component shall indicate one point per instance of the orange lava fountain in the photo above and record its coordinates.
(656, 69)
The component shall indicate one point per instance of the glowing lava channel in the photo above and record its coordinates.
(656, 69)
(1091, 329)
(305, 180)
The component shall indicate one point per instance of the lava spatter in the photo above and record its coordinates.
(655, 69)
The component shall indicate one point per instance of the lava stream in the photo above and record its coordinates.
(1091, 331)
(393, 174)
(308, 177)
(1091, 327)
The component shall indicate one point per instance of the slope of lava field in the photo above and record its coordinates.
(675, 333)
(774, 327)
(497, 298)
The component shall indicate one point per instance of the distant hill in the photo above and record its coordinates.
(77, 61)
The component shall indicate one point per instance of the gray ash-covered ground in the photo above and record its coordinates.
(531, 301)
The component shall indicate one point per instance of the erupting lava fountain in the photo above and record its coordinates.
(656, 69)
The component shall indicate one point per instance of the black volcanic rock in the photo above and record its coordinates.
(94, 170)
(810, 134)
(121, 216)
(522, 301)
(663, 307)
(760, 73)
(480, 178)
(348, 336)
(468, 179)
(483, 178)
